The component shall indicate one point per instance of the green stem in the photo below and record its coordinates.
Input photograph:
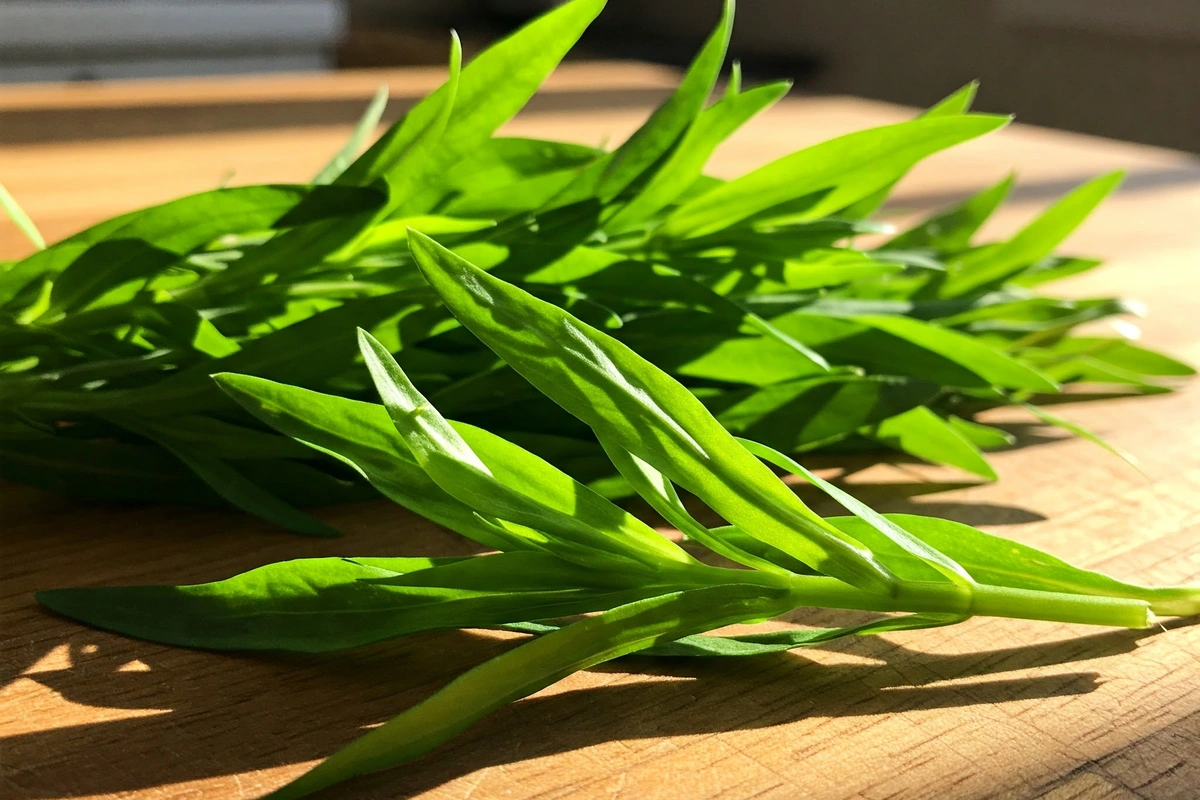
(1172, 601)
(984, 600)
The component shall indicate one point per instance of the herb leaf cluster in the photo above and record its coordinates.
(562, 550)
(775, 300)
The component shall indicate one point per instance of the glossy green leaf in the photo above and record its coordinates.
(327, 341)
(659, 492)
(988, 363)
(319, 605)
(959, 102)
(984, 437)
(424, 159)
(530, 668)
(952, 230)
(1053, 268)
(609, 176)
(915, 547)
(845, 169)
(799, 415)
(686, 162)
(504, 161)
(896, 344)
(822, 268)
(358, 137)
(492, 88)
(922, 433)
(754, 644)
(1082, 432)
(997, 561)
(662, 287)
(12, 209)
(1123, 354)
(140, 244)
(512, 484)
(361, 435)
(1036, 241)
(638, 407)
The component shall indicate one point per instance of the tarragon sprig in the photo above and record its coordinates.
(774, 298)
(563, 550)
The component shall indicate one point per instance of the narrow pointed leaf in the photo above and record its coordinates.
(420, 165)
(985, 437)
(845, 169)
(997, 561)
(491, 89)
(12, 209)
(945, 565)
(530, 668)
(640, 408)
(959, 102)
(320, 605)
(659, 492)
(754, 644)
(685, 164)
(608, 177)
(1033, 243)
(922, 433)
(362, 436)
(952, 230)
(527, 490)
(358, 137)
(1083, 433)
(997, 367)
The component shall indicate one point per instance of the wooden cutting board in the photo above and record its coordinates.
(990, 708)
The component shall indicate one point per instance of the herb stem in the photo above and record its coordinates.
(982, 600)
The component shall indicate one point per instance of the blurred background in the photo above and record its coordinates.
(1128, 69)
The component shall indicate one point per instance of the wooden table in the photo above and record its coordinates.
(990, 708)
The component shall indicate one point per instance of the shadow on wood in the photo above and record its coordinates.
(227, 714)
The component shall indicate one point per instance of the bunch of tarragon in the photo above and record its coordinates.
(773, 298)
(561, 550)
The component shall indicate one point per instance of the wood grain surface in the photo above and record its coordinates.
(990, 708)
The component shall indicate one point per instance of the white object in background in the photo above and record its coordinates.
(64, 39)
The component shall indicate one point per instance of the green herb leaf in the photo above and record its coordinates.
(530, 668)
(924, 434)
(686, 162)
(358, 137)
(19, 218)
(914, 546)
(491, 89)
(952, 230)
(362, 436)
(983, 436)
(997, 561)
(660, 493)
(990, 266)
(319, 605)
(515, 485)
(845, 169)
(754, 644)
(640, 408)
(608, 177)
(1082, 432)
(236, 488)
